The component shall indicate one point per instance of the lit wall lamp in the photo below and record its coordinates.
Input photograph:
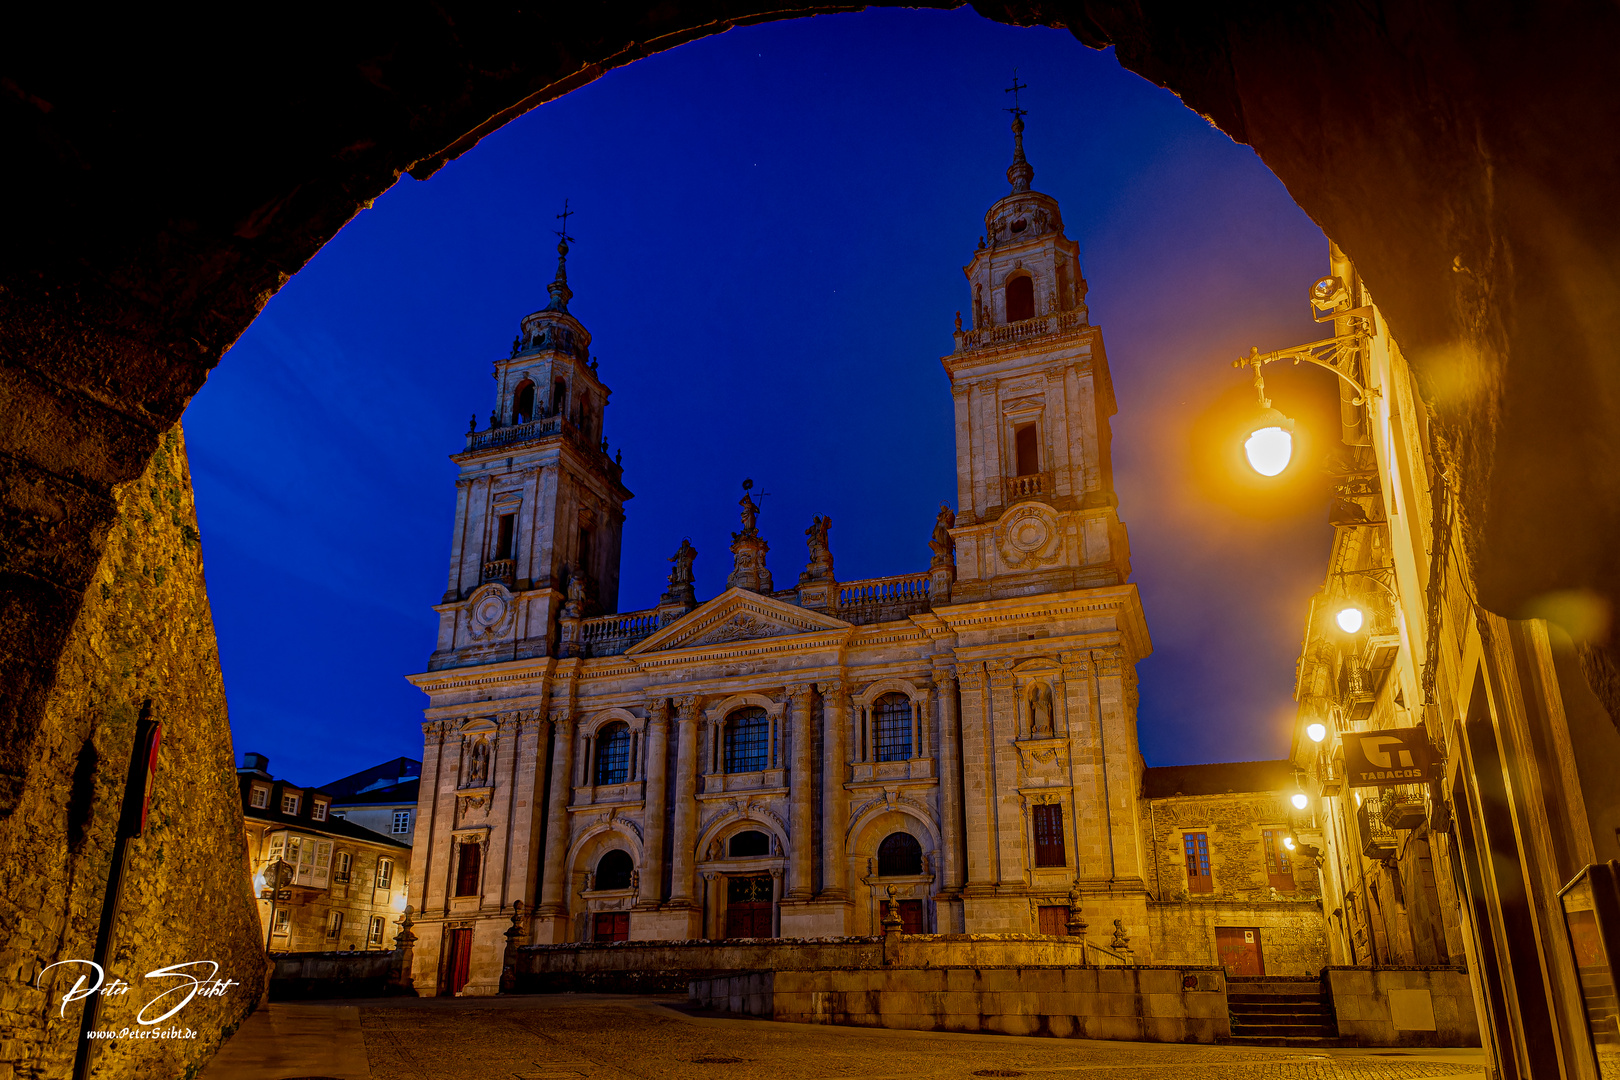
(1270, 445)
(1317, 732)
(1351, 616)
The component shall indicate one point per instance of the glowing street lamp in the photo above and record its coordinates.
(1317, 732)
(1270, 445)
(1288, 842)
(1300, 800)
(1350, 619)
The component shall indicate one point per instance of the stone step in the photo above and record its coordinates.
(1295, 1040)
(1278, 1030)
(1279, 1008)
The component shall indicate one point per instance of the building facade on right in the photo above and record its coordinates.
(1460, 769)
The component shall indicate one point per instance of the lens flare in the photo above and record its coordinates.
(1269, 449)
(1288, 842)
(1349, 619)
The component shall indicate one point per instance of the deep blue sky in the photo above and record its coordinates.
(771, 228)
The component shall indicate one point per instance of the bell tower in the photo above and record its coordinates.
(539, 503)
(1033, 398)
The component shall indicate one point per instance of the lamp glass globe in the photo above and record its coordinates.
(1317, 732)
(1349, 619)
(1299, 800)
(1288, 842)
(1269, 449)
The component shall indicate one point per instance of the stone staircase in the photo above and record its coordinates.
(1281, 1011)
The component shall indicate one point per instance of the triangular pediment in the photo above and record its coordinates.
(736, 615)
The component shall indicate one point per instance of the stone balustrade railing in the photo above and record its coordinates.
(1056, 322)
(499, 570)
(609, 635)
(520, 433)
(1032, 486)
(894, 597)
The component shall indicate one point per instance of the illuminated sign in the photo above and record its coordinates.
(1386, 758)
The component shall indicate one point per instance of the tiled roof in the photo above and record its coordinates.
(1219, 778)
(335, 827)
(401, 794)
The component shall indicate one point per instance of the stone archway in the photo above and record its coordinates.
(173, 177)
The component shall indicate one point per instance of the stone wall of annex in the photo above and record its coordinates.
(144, 640)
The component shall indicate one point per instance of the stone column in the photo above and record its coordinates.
(681, 886)
(978, 787)
(553, 889)
(950, 779)
(834, 799)
(801, 790)
(652, 824)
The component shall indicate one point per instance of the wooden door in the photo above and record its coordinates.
(612, 926)
(1054, 920)
(1238, 950)
(459, 960)
(911, 917)
(749, 906)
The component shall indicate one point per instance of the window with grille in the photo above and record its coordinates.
(283, 917)
(899, 855)
(1196, 847)
(402, 822)
(340, 872)
(1048, 834)
(891, 728)
(747, 740)
(748, 844)
(385, 873)
(613, 754)
(289, 804)
(467, 869)
(260, 798)
(613, 870)
(1279, 872)
(318, 811)
(374, 936)
(334, 926)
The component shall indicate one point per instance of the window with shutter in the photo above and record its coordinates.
(1195, 845)
(1279, 872)
(1048, 834)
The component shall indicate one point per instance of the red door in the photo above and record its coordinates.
(748, 906)
(911, 916)
(459, 960)
(1238, 950)
(612, 926)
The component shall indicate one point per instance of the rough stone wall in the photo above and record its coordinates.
(143, 640)
(1293, 934)
(1236, 855)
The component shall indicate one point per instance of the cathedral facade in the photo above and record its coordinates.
(781, 762)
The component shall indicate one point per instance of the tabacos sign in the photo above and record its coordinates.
(1386, 758)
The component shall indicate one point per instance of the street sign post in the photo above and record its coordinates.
(1386, 758)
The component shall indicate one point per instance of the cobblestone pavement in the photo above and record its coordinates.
(588, 1037)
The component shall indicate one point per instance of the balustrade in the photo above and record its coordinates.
(500, 570)
(1056, 322)
(1032, 486)
(608, 635)
(900, 589)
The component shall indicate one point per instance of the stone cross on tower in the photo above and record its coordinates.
(748, 549)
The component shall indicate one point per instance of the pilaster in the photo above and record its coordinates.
(834, 799)
(657, 773)
(801, 788)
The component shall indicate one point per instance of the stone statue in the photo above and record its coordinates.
(821, 560)
(1040, 711)
(750, 515)
(680, 574)
(478, 763)
(1122, 940)
(472, 423)
(748, 550)
(943, 547)
(574, 607)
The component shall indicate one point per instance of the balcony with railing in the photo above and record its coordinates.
(504, 570)
(1030, 486)
(1056, 322)
(512, 434)
(1378, 840)
(610, 635)
(882, 599)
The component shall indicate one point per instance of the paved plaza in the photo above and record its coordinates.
(590, 1037)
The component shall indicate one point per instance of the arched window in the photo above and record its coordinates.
(1020, 295)
(523, 403)
(613, 870)
(1026, 444)
(891, 727)
(747, 844)
(899, 855)
(747, 734)
(559, 396)
(613, 753)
